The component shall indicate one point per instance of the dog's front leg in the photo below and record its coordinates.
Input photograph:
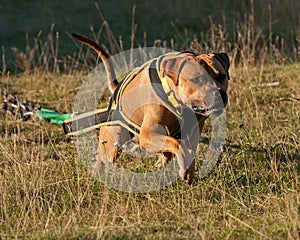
(154, 142)
(189, 161)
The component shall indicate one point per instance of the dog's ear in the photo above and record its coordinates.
(168, 67)
(173, 66)
(223, 59)
(217, 62)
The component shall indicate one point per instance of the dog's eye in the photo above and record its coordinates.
(221, 78)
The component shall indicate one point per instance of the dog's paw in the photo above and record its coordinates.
(189, 179)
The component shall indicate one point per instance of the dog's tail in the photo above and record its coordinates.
(111, 76)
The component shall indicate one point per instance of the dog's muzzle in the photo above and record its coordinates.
(216, 100)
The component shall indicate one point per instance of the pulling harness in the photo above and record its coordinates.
(114, 115)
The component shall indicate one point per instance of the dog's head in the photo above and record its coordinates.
(200, 81)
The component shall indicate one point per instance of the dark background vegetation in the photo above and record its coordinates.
(22, 20)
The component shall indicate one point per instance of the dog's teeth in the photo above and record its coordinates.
(196, 108)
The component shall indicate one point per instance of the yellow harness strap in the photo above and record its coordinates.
(169, 92)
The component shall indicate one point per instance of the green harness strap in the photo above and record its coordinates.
(52, 116)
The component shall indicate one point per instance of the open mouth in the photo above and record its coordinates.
(214, 111)
(216, 99)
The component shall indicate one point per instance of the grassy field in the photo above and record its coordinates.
(46, 191)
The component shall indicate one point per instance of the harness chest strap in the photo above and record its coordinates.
(162, 89)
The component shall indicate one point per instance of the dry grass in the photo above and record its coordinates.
(47, 193)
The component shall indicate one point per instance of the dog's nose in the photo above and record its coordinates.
(224, 96)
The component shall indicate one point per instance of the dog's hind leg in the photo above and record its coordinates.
(110, 140)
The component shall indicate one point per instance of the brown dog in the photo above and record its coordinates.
(187, 86)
